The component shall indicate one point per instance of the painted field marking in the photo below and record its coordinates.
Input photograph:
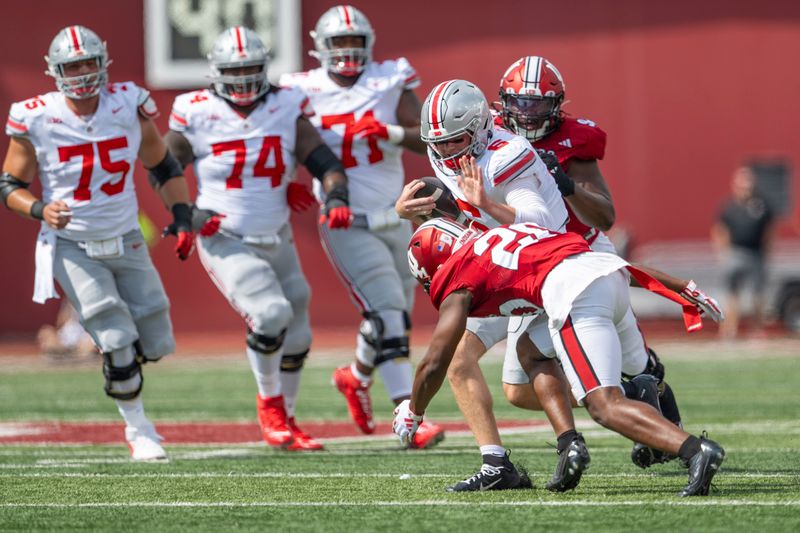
(426, 503)
(334, 475)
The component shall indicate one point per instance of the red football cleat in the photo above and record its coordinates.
(302, 440)
(272, 419)
(427, 436)
(357, 395)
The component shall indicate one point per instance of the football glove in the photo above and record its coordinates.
(565, 184)
(405, 423)
(181, 227)
(299, 197)
(705, 304)
(337, 209)
(369, 126)
(205, 221)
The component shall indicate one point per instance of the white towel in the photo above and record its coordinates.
(43, 286)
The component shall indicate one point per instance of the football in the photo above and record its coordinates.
(446, 205)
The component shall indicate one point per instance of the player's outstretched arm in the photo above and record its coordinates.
(19, 169)
(591, 200)
(432, 370)
(707, 305)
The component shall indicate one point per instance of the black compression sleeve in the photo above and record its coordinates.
(321, 161)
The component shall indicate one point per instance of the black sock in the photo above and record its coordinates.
(689, 448)
(493, 460)
(669, 406)
(630, 390)
(565, 438)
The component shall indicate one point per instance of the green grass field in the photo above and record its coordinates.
(747, 400)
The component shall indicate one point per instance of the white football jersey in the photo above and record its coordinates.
(508, 159)
(87, 162)
(374, 167)
(243, 163)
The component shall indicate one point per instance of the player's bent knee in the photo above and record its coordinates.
(156, 339)
(265, 344)
(273, 318)
(521, 396)
(123, 374)
(293, 362)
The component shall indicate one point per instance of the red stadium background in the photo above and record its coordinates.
(686, 91)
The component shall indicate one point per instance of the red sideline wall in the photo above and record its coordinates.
(685, 90)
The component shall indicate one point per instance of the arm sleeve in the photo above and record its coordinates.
(523, 195)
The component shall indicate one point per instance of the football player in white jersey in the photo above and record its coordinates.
(497, 178)
(367, 112)
(245, 137)
(83, 141)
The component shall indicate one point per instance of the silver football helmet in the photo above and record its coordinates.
(77, 43)
(239, 47)
(452, 109)
(342, 21)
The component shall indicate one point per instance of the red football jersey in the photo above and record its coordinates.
(576, 139)
(504, 269)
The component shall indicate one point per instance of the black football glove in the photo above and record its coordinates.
(565, 184)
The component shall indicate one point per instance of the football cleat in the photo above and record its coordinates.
(145, 443)
(302, 440)
(702, 468)
(427, 436)
(647, 392)
(272, 419)
(503, 477)
(356, 393)
(572, 462)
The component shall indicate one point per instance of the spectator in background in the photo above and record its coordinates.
(742, 235)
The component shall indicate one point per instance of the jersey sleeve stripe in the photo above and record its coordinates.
(516, 167)
(177, 118)
(147, 113)
(16, 126)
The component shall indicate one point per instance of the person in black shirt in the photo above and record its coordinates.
(742, 234)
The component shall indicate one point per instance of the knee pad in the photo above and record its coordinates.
(387, 334)
(293, 362)
(124, 379)
(654, 366)
(264, 344)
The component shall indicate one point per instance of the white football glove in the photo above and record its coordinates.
(707, 305)
(405, 423)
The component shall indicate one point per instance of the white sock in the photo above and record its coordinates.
(132, 412)
(290, 387)
(360, 376)
(266, 369)
(493, 449)
(397, 377)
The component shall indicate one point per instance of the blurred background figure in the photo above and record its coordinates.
(67, 340)
(742, 236)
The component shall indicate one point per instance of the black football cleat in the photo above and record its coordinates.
(645, 456)
(572, 462)
(702, 468)
(647, 392)
(503, 477)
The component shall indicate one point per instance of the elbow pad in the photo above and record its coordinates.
(321, 161)
(168, 168)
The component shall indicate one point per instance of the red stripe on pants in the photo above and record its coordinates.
(577, 357)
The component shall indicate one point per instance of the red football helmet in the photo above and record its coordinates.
(531, 94)
(431, 245)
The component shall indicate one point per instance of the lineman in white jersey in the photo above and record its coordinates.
(83, 141)
(497, 178)
(367, 112)
(245, 138)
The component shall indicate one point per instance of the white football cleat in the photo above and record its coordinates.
(145, 444)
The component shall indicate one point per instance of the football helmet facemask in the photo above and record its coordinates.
(341, 21)
(72, 44)
(531, 95)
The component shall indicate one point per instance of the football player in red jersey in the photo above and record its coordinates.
(522, 269)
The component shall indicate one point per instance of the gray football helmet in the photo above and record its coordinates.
(451, 109)
(77, 43)
(341, 21)
(239, 47)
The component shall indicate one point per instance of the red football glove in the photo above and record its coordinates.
(299, 197)
(338, 218)
(185, 245)
(369, 126)
(181, 227)
(205, 221)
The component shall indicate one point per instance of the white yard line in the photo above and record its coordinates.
(425, 503)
